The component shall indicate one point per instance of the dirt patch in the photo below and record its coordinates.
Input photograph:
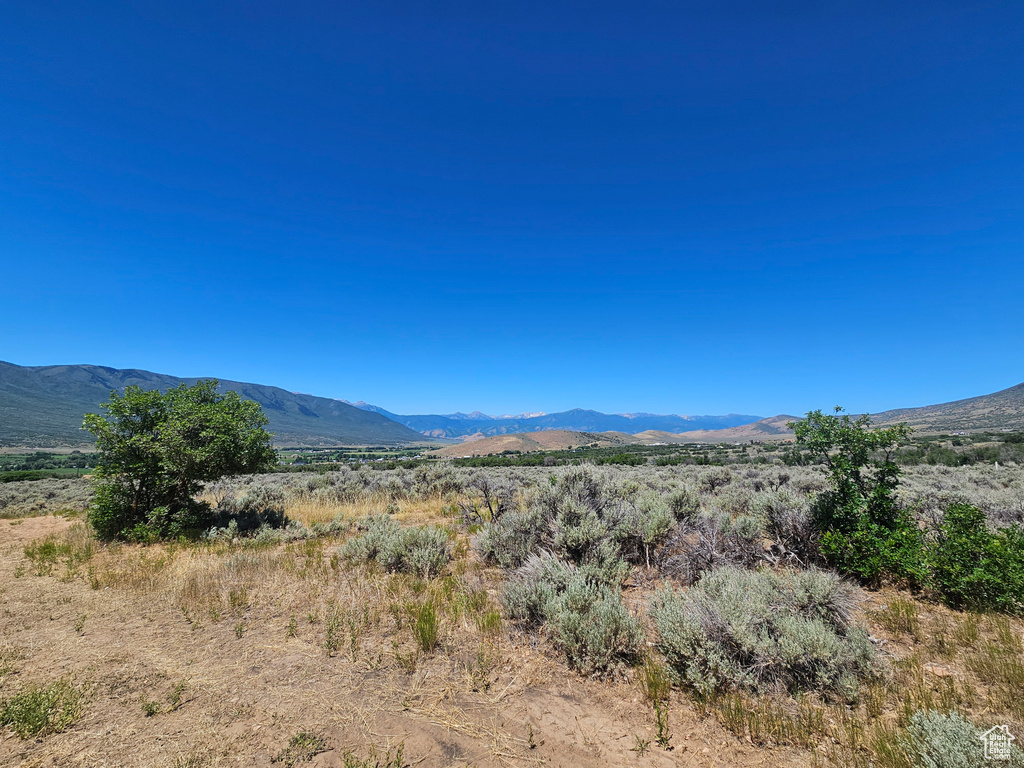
(15, 533)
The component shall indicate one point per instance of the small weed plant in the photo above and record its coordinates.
(376, 760)
(41, 710)
(302, 747)
(426, 626)
(900, 617)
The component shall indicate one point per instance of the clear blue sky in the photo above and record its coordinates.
(671, 207)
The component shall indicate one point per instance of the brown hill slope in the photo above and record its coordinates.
(1000, 410)
(773, 428)
(545, 440)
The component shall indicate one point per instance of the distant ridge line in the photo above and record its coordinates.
(43, 406)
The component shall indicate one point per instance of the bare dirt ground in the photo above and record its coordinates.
(234, 694)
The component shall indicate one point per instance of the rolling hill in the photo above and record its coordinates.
(524, 442)
(772, 428)
(42, 407)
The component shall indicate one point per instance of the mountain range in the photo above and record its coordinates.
(42, 407)
(477, 424)
(1003, 410)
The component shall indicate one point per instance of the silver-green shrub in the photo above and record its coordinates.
(534, 585)
(261, 507)
(642, 526)
(586, 618)
(380, 532)
(593, 628)
(423, 551)
(937, 740)
(684, 503)
(763, 631)
(512, 538)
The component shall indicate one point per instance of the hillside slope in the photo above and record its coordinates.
(43, 407)
(772, 428)
(1000, 410)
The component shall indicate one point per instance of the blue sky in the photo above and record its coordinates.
(668, 207)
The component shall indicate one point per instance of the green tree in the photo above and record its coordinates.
(864, 531)
(157, 450)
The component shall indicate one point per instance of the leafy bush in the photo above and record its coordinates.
(763, 631)
(864, 532)
(873, 553)
(423, 551)
(41, 710)
(973, 567)
(936, 740)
